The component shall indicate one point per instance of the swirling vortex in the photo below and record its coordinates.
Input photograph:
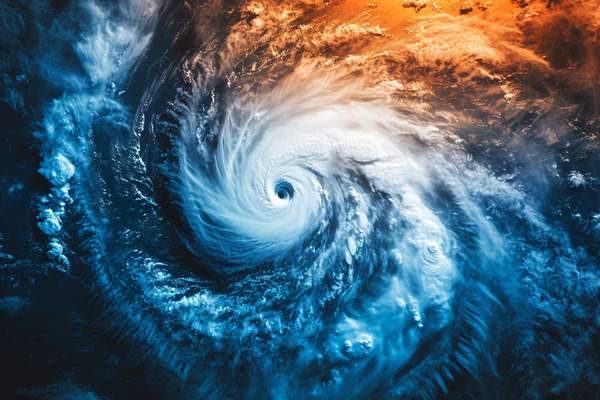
(335, 243)
(347, 229)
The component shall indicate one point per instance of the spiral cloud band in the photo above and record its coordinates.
(313, 199)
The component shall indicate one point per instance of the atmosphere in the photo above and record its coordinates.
(345, 199)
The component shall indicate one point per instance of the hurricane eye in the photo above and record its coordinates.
(284, 190)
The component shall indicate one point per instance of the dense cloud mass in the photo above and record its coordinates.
(300, 199)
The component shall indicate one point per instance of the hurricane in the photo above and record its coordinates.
(300, 199)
